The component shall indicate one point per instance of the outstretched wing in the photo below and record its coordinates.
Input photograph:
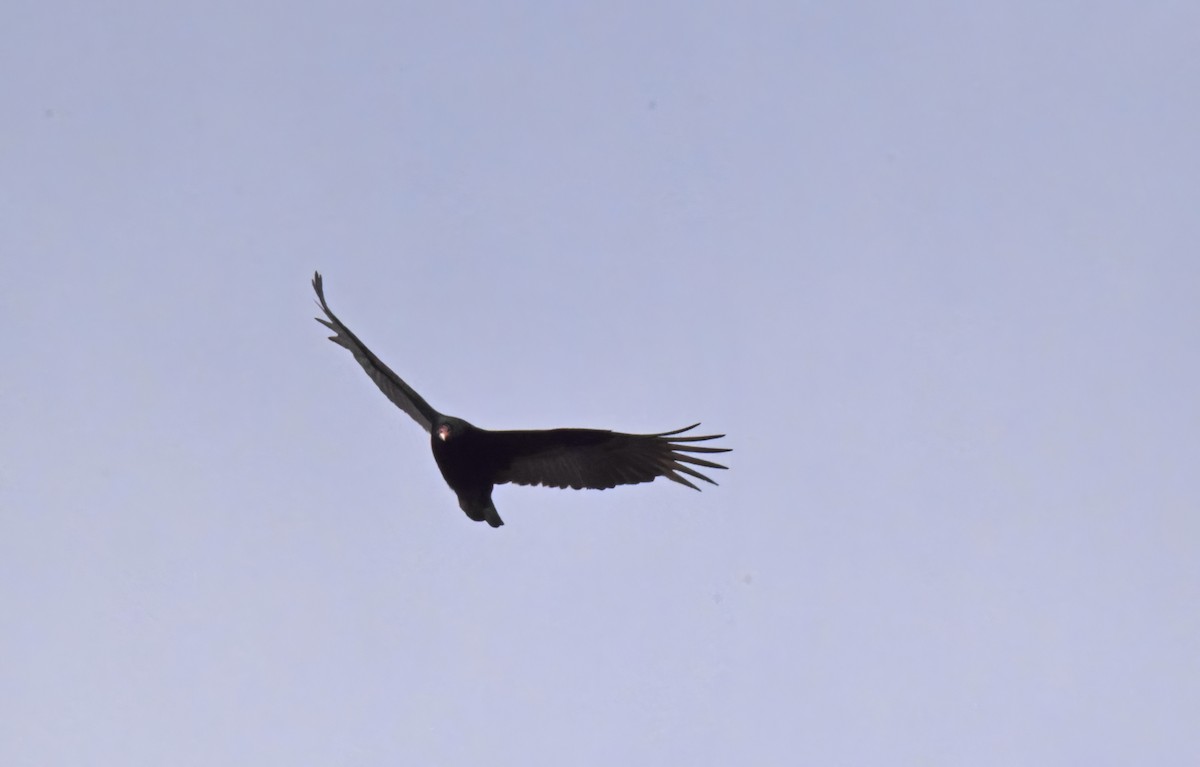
(400, 393)
(591, 458)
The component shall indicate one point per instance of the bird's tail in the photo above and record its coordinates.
(481, 510)
(491, 516)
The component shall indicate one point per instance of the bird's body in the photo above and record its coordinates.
(466, 463)
(474, 460)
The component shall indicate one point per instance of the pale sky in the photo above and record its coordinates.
(934, 269)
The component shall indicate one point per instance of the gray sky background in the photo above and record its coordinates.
(934, 268)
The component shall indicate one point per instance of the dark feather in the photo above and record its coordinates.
(592, 458)
(401, 394)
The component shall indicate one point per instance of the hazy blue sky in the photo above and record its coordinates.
(934, 268)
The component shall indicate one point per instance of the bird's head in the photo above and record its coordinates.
(448, 427)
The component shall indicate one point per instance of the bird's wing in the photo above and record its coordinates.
(400, 393)
(591, 458)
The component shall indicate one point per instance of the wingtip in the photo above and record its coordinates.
(676, 431)
(671, 475)
(318, 284)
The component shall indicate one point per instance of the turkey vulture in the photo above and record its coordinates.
(474, 460)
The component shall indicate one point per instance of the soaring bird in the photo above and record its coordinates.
(474, 460)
